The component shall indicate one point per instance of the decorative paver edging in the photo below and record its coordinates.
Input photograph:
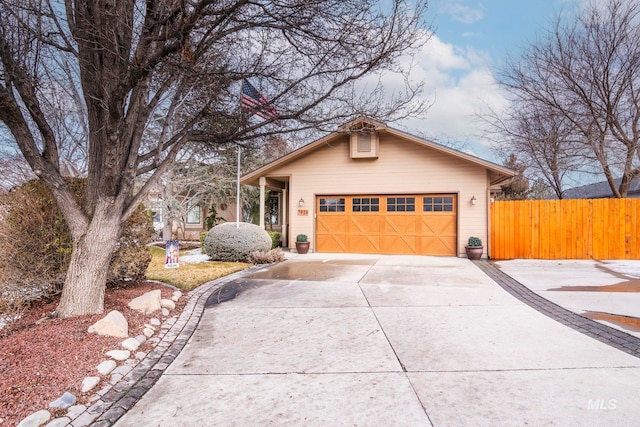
(115, 401)
(606, 334)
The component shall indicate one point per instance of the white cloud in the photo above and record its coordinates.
(437, 55)
(461, 84)
(463, 13)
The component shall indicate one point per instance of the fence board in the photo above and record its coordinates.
(527, 226)
(634, 216)
(597, 243)
(565, 229)
(627, 229)
(583, 212)
(535, 236)
(544, 230)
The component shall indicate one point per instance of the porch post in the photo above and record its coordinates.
(263, 182)
(284, 210)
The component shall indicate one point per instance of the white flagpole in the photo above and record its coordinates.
(238, 173)
(238, 192)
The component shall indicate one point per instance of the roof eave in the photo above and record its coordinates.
(501, 174)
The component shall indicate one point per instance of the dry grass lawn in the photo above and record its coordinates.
(189, 276)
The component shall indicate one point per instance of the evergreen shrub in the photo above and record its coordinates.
(227, 242)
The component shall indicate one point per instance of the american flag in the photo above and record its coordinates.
(255, 103)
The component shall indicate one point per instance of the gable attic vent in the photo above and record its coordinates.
(364, 145)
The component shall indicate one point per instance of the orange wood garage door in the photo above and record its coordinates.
(423, 224)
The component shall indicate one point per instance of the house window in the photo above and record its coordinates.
(401, 204)
(365, 204)
(332, 204)
(438, 204)
(193, 214)
(364, 142)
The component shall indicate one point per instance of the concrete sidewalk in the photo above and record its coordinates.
(386, 340)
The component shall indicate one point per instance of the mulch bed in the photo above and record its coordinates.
(42, 357)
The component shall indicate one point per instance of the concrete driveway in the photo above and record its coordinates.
(355, 340)
(605, 291)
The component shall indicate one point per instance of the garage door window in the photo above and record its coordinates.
(438, 204)
(365, 204)
(332, 204)
(401, 204)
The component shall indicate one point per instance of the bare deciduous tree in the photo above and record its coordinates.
(578, 91)
(544, 142)
(518, 188)
(204, 176)
(141, 64)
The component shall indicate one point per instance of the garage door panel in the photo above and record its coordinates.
(437, 245)
(364, 233)
(332, 243)
(399, 244)
(438, 225)
(415, 232)
(364, 244)
(332, 233)
(360, 224)
(396, 224)
(333, 224)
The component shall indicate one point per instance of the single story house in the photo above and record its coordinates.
(601, 190)
(370, 188)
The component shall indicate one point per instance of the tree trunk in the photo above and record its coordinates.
(167, 230)
(84, 286)
(167, 194)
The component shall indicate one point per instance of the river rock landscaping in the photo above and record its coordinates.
(52, 369)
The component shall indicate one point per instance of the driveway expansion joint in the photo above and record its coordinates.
(603, 333)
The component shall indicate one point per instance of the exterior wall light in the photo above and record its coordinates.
(473, 200)
(301, 202)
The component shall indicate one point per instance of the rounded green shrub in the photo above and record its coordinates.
(226, 242)
(276, 239)
(474, 242)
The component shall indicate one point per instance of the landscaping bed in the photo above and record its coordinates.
(42, 357)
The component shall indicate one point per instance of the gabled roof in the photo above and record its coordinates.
(599, 190)
(500, 175)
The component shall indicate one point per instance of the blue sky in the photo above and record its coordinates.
(471, 40)
(494, 26)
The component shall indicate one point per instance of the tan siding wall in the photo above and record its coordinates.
(402, 167)
(229, 214)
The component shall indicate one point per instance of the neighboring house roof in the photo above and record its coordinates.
(499, 175)
(600, 190)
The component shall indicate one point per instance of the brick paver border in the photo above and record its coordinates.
(175, 333)
(606, 334)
